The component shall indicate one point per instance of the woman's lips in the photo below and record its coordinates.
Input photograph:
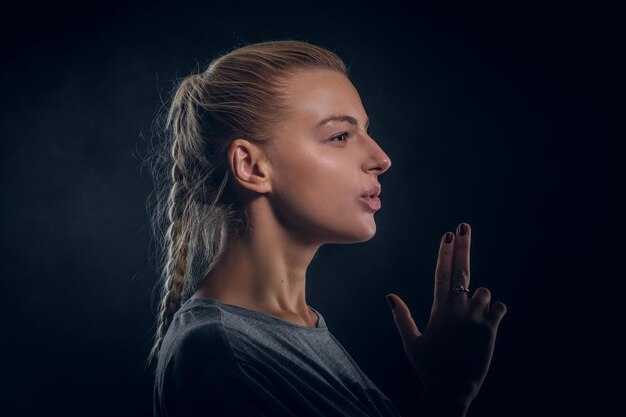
(373, 203)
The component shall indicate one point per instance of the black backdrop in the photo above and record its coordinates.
(498, 114)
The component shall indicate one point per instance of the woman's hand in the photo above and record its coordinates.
(452, 355)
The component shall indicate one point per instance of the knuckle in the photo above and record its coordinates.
(501, 308)
(482, 292)
(447, 250)
(473, 319)
(461, 244)
(476, 310)
(460, 274)
(442, 275)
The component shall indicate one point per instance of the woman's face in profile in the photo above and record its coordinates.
(321, 170)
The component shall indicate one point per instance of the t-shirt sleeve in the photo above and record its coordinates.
(209, 380)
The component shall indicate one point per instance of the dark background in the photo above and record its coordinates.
(499, 114)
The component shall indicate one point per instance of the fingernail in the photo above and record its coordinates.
(462, 229)
(448, 237)
(391, 303)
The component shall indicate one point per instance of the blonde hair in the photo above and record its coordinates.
(196, 212)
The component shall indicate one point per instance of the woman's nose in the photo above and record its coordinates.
(378, 159)
(386, 162)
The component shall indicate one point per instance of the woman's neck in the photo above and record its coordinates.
(263, 276)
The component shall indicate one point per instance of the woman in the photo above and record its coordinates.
(270, 159)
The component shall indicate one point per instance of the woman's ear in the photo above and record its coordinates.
(249, 166)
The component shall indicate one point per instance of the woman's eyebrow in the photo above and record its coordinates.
(341, 118)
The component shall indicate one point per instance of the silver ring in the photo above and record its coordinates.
(457, 289)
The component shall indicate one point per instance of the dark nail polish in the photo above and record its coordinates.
(462, 229)
(391, 303)
(448, 237)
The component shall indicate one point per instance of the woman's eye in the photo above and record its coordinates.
(339, 136)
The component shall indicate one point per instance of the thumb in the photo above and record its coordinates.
(404, 322)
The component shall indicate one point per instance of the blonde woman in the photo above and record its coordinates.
(269, 157)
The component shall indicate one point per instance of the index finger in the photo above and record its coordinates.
(443, 271)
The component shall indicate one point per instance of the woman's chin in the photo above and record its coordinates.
(362, 235)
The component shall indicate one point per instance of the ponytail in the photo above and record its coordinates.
(197, 211)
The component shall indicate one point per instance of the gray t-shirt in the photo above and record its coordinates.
(224, 360)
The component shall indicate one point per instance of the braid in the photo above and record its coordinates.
(184, 125)
(177, 240)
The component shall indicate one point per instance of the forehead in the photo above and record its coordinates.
(314, 95)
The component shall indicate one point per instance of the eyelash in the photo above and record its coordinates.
(338, 136)
(344, 134)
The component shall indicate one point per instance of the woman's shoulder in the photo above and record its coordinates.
(195, 322)
(196, 335)
(196, 353)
